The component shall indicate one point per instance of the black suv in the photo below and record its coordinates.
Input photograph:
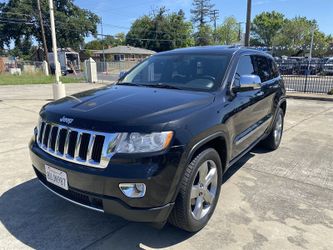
(154, 146)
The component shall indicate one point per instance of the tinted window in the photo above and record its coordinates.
(196, 72)
(275, 70)
(245, 67)
(263, 68)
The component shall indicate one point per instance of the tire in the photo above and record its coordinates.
(273, 140)
(186, 212)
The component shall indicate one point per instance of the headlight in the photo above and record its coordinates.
(143, 143)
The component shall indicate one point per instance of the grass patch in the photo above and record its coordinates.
(7, 79)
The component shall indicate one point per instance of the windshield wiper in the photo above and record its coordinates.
(129, 84)
(161, 85)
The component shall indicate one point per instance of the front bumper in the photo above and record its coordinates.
(98, 189)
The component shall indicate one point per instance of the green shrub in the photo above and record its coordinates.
(330, 92)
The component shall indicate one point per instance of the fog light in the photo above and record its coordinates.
(133, 190)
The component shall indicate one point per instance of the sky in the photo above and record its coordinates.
(118, 15)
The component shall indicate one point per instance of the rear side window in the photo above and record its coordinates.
(275, 70)
(263, 68)
(245, 67)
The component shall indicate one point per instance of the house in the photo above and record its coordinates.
(123, 53)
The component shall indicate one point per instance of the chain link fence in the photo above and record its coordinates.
(22, 67)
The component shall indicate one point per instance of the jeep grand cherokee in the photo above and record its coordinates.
(154, 146)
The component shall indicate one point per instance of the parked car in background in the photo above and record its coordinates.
(309, 67)
(288, 66)
(154, 146)
(328, 67)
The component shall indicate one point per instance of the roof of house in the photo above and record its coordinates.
(126, 50)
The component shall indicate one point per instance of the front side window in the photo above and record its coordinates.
(183, 71)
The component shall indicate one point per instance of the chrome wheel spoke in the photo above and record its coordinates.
(203, 170)
(278, 128)
(210, 176)
(208, 197)
(195, 191)
(198, 207)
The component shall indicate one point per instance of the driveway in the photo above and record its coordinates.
(269, 200)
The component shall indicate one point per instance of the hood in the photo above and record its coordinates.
(119, 107)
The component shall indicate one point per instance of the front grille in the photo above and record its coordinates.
(84, 147)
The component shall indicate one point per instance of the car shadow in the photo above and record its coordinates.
(39, 219)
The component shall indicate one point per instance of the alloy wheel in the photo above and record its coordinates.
(204, 189)
(278, 128)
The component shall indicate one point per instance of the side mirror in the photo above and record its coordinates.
(122, 74)
(247, 83)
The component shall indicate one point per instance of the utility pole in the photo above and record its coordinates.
(104, 66)
(58, 87)
(43, 33)
(240, 31)
(312, 37)
(311, 47)
(248, 23)
(214, 17)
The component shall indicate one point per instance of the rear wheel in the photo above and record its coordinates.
(199, 192)
(273, 140)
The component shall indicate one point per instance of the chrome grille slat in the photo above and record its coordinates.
(54, 138)
(56, 146)
(90, 147)
(77, 145)
(49, 139)
(43, 135)
(68, 134)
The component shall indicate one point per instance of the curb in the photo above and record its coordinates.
(311, 97)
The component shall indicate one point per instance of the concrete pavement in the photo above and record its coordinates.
(269, 200)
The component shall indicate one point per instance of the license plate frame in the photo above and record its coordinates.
(56, 177)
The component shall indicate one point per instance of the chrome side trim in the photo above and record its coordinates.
(252, 132)
(75, 202)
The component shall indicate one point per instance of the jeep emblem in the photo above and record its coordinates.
(66, 120)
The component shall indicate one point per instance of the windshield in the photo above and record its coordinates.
(195, 72)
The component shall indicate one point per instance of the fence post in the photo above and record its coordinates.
(91, 70)
(45, 67)
(306, 77)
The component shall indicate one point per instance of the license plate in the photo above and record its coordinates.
(56, 177)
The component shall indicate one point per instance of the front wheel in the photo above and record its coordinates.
(273, 140)
(199, 192)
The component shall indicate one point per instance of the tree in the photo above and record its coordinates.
(20, 22)
(2, 5)
(266, 26)
(161, 31)
(107, 41)
(201, 12)
(228, 31)
(204, 36)
(295, 37)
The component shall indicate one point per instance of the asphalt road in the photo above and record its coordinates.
(269, 200)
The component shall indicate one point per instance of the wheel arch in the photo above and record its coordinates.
(283, 105)
(216, 141)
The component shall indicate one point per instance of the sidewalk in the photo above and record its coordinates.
(310, 96)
